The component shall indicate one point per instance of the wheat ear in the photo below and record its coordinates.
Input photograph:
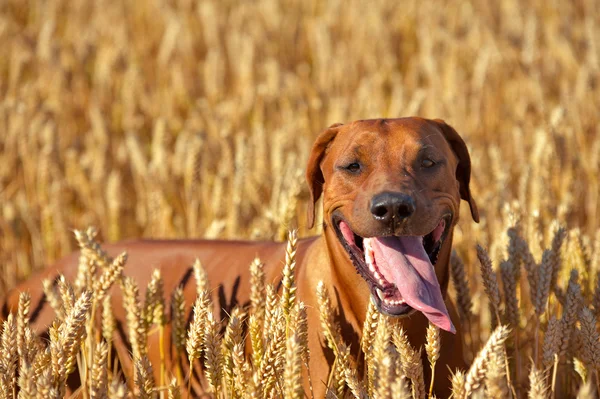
(537, 384)
(432, 347)
(490, 283)
(476, 373)
(411, 362)
(288, 294)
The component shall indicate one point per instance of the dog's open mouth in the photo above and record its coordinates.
(400, 270)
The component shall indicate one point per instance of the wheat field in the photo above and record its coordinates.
(176, 118)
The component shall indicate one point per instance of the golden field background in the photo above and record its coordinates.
(194, 119)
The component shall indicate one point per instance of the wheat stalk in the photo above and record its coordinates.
(411, 362)
(537, 384)
(463, 295)
(590, 352)
(490, 282)
(8, 362)
(433, 347)
(477, 372)
(137, 326)
(213, 356)
(144, 379)
(288, 295)
(232, 338)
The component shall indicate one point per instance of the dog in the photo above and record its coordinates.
(391, 193)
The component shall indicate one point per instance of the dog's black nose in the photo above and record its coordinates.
(388, 206)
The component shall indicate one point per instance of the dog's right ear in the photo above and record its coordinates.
(463, 170)
(314, 175)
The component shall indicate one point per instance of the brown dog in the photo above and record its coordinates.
(391, 194)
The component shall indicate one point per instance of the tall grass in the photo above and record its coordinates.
(514, 362)
(171, 118)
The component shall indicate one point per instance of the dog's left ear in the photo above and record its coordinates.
(463, 170)
(314, 175)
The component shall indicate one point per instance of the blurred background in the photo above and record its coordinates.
(180, 118)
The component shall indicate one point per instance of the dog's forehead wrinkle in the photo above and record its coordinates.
(363, 145)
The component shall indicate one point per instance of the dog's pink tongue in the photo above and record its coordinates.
(404, 262)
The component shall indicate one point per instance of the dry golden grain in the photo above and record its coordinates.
(490, 282)
(91, 248)
(135, 323)
(43, 383)
(369, 329)
(213, 357)
(9, 359)
(555, 254)
(529, 264)
(195, 333)
(400, 388)
(67, 294)
(432, 347)
(232, 338)
(257, 290)
(298, 323)
(292, 378)
(596, 297)
(174, 392)
(590, 352)
(458, 384)
(154, 304)
(178, 331)
(511, 311)
(73, 331)
(385, 375)
(354, 384)
(537, 384)
(329, 326)
(495, 385)
(478, 369)
(144, 379)
(202, 284)
(580, 368)
(378, 372)
(117, 390)
(99, 378)
(578, 258)
(109, 276)
(272, 365)
(240, 370)
(544, 274)
(463, 294)
(587, 391)
(108, 320)
(411, 362)
(288, 294)
(552, 341)
(23, 322)
(256, 338)
(27, 385)
(271, 305)
(573, 305)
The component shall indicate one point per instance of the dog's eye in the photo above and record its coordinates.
(354, 167)
(427, 163)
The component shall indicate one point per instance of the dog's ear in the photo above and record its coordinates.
(463, 170)
(314, 175)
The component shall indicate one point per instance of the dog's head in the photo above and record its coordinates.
(391, 193)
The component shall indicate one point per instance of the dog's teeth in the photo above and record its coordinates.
(380, 294)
